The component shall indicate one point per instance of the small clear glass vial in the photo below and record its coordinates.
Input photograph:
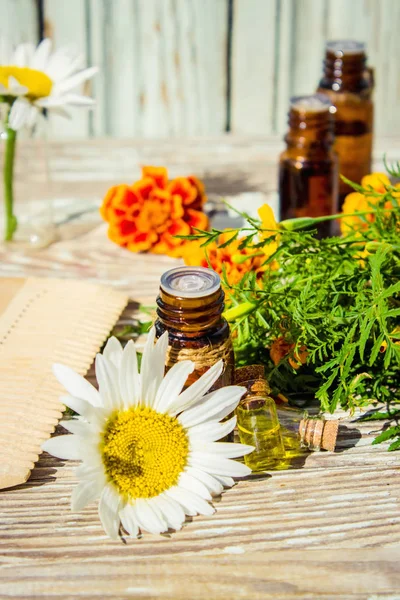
(190, 307)
(258, 426)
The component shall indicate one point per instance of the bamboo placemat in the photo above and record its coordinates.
(43, 321)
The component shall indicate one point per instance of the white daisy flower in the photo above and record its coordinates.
(149, 450)
(38, 79)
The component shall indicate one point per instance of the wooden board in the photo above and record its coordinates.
(42, 322)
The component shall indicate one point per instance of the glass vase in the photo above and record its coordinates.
(26, 203)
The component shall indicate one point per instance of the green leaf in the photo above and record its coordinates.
(394, 446)
(228, 242)
(387, 434)
(378, 416)
(376, 349)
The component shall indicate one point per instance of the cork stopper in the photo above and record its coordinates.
(318, 434)
(249, 372)
(253, 378)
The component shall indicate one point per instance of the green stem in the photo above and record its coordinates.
(302, 222)
(241, 310)
(8, 180)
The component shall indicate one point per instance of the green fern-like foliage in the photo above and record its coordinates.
(339, 298)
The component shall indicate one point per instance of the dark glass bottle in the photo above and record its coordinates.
(348, 83)
(190, 307)
(308, 172)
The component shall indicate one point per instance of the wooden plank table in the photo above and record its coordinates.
(329, 528)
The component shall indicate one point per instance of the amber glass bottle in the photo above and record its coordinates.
(190, 307)
(348, 83)
(308, 167)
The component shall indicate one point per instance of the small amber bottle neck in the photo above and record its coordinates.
(191, 315)
(345, 72)
(310, 129)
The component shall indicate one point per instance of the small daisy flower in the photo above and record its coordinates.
(32, 79)
(148, 447)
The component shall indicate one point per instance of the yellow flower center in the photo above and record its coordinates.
(38, 83)
(143, 452)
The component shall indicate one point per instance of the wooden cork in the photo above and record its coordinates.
(253, 378)
(318, 434)
(249, 372)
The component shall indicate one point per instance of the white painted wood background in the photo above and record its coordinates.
(164, 63)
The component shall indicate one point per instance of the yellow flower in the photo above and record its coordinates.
(270, 227)
(357, 202)
(377, 181)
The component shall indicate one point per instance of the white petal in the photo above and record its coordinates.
(15, 88)
(152, 502)
(71, 99)
(216, 403)
(41, 55)
(64, 446)
(23, 55)
(113, 351)
(83, 408)
(76, 385)
(129, 379)
(60, 112)
(147, 518)
(62, 64)
(109, 506)
(211, 431)
(88, 473)
(225, 480)
(107, 378)
(153, 366)
(173, 512)
(197, 390)
(174, 494)
(32, 116)
(75, 80)
(128, 520)
(211, 483)
(19, 114)
(218, 465)
(77, 427)
(226, 449)
(172, 385)
(188, 482)
(84, 493)
(190, 501)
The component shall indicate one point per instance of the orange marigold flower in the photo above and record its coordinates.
(236, 262)
(146, 216)
(281, 348)
(357, 202)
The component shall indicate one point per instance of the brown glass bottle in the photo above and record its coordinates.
(348, 83)
(190, 307)
(308, 174)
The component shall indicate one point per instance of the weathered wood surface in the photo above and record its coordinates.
(166, 65)
(334, 518)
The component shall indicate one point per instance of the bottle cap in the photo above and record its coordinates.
(312, 103)
(190, 282)
(341, 47)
